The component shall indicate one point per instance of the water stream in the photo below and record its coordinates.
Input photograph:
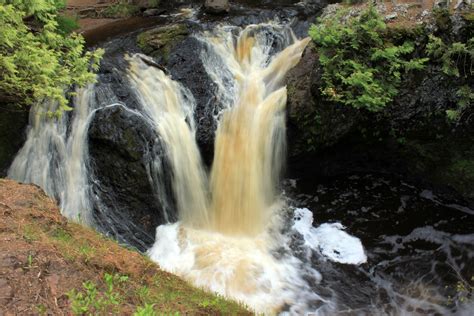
(377, 245)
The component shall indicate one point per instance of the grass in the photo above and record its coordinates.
(91, 268)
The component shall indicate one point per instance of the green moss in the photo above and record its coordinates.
(442, 19)
(160, 41)
(121, 10)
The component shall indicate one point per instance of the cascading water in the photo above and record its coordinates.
(170, 107)
(236, 234)
(57, 160)
(250, 139)
(233, 253)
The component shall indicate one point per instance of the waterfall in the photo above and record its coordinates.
(250, 140)
(227, 229)
(170, 108)
(55, 158)
(227, 246)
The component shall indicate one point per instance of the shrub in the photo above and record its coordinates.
(38, 61)
(66, 24)
(361, 67)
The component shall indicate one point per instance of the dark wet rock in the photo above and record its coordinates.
(186, 67)
(217, 6)
(152, 12)
(410, 136)
(160, 41)
(123, 148)
(313, 122)
(13, 123)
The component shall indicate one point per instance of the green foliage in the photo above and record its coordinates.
(146, 310)
(442, 18)
(361, 67)
(456, 60)
(37, 60)
(93, 301)
(66, 24)
(121, 10)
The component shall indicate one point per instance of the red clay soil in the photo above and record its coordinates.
(43, 257)
(73, 7)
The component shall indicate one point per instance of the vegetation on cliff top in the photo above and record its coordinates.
(39, 60)
(362, 67)
(364, 62)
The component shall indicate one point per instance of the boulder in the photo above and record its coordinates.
(152, 12)
(217, 6)
(410, 136)
(125, 152)
(160, 41)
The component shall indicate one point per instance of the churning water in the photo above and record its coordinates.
(241, 235)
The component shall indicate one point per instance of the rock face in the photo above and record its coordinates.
(410, 136)
(160, 41)
(13, 123)
(217, 6)
(186, 67)
(123, 148)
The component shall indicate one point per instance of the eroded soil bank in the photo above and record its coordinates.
(43, 257)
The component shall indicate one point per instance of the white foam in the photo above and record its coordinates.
(234, 266)
(329, 239)
(246, 269)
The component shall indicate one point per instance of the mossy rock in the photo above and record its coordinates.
(159, 42)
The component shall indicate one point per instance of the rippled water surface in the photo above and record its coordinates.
(420, 247)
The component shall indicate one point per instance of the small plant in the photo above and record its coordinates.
(29, 234)
(41, 309)
(61, 235)
(146, 310)
(91, 300)
(361, 67)
(143, 293)
(30, 261)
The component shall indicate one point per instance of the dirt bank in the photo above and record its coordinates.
(45, 260)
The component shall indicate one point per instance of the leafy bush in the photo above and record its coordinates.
(66, 24)
(38, 61)
(361, 67)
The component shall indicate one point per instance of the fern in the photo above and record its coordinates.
(40, 62)
(361, 68)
